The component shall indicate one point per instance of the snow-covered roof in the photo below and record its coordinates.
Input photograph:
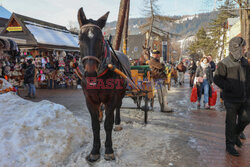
(4, 13)
(47, 35)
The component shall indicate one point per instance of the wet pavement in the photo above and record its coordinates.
(198, 136)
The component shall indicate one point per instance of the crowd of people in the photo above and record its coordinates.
(232, 76)
(51, 71)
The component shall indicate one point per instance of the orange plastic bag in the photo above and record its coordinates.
(213, 98)
(194, 96)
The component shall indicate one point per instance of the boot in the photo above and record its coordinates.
(238, 142)
(164, 101)
(198, 105)
(231, 150)
(167, 109)
(207, 106)
(242, 136)
(28, 95)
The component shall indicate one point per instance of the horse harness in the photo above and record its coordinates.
(102, 64)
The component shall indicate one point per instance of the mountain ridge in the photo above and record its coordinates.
(184, 25)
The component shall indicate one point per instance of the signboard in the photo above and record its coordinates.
(14, 29)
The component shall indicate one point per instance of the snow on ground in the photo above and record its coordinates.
(47, 134)
(36, 134)
(136, 145)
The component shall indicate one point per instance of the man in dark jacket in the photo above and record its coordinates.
(231, 77)
(29, 79)
(159, 76)
(242, 135)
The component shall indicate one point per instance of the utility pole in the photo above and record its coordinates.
(245, 20)
(120, 24)
(125, 29)
(151, 24)
(248, 24)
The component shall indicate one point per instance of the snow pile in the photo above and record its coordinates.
(136, 145)
(5, 84)
(36, 134)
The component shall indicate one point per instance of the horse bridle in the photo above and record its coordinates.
(89, 56)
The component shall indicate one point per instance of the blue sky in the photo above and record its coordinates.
(63, 11)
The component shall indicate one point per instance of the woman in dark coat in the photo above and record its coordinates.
(203, 80)
(192, 69)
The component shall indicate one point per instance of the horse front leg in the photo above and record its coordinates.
(95, 153)
(108, 126)
(118, 126)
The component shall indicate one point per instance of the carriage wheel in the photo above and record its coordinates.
(152, 103)
(162, 100)
(138, 101)
(146, 110)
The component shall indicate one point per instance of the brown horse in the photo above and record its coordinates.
(106, 88)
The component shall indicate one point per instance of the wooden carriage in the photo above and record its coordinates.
(142, 78)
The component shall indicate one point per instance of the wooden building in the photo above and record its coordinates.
(39, 37)
(135, 43)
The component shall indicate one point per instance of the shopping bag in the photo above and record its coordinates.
(194, 96)
(213, 98)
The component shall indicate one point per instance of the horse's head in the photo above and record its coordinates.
(91, 41)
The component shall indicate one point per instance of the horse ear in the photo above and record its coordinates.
(102, 20)
(81, 17)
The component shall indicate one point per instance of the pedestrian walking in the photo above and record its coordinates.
(192, 69)
(211, 62)
(232, 76)
(242, 135)
(159, 76)
(203, 81)
(29, 79)
(181, 70)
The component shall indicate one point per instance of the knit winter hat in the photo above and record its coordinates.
(235, 47)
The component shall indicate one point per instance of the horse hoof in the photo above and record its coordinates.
(109, 157)
(92, 158)
(117, 128)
